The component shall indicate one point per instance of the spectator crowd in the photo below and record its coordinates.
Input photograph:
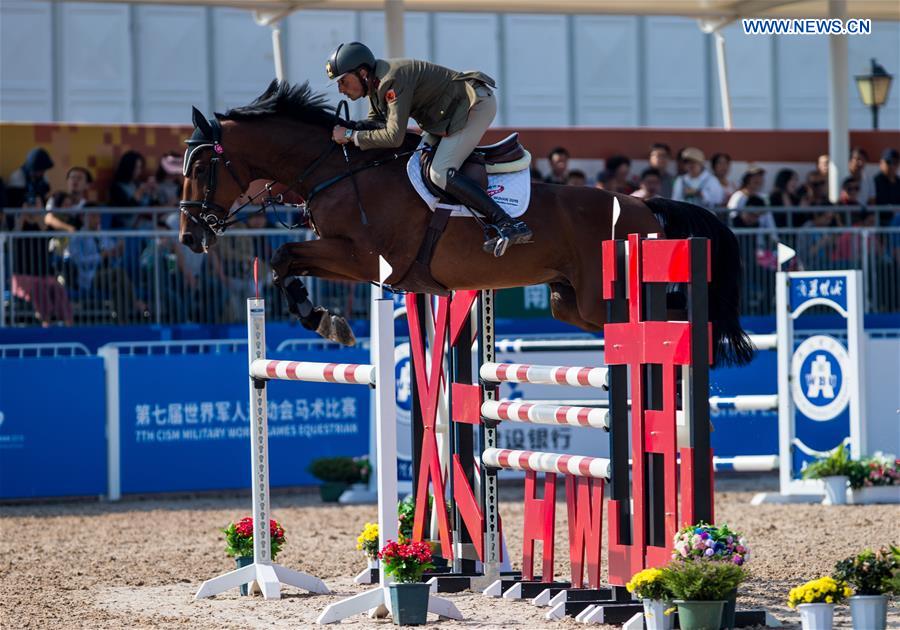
(83, 262)
(792, 201)
(92, 274)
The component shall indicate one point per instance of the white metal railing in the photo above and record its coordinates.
(179, 347)
(150, 278)
(43, 350)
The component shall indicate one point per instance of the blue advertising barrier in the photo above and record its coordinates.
(52, 414)
(183, 422)
(739, 432)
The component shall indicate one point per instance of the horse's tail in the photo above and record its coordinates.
(731, 345)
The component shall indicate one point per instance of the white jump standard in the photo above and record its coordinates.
(267, 575)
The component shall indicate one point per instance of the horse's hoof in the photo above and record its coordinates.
(335, 328)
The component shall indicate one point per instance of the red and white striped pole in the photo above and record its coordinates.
(545, 374)
(536, 461)
(513, 411)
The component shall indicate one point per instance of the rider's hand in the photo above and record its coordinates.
(339, 135)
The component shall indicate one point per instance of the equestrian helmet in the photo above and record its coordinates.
(347, 58)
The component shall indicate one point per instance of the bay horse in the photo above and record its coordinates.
(285, 136)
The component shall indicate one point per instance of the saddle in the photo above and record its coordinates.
(506, 156)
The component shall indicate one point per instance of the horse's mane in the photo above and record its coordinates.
(301, 103)
(294, 101)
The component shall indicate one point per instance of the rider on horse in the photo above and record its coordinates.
(453, 109)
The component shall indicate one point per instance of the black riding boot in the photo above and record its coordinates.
(509, 231)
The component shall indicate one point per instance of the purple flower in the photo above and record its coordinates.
(737, 560)
(709, 552)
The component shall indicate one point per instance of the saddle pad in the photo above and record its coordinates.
(512, 191)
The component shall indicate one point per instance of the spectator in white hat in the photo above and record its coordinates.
(697, 185)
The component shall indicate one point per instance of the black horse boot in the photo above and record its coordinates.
(509, 231)
(316, 318)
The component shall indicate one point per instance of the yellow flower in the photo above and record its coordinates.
(829, 599)
(368, 535)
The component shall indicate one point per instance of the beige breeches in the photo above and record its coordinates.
(455, 148)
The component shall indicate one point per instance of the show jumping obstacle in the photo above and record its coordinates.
(592, 407)
(658, 351)
(839, 291)
(380, 376)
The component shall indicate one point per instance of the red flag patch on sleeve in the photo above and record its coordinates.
(391, 96)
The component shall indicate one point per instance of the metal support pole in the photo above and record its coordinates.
(838, 105)
(724, 94)
(393, 28)
(278, 50)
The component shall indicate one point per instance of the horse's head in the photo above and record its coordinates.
(211, 186)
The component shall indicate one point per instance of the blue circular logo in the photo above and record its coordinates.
(819, 376)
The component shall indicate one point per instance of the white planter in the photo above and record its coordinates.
(816, 616)
(874, 494)
(869, 612)
(655, 616)
(835, 490)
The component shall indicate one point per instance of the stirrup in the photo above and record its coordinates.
(496, 245)
(500, 245)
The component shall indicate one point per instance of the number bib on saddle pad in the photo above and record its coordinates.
(512, 191)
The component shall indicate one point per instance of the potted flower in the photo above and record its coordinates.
(406, 562)
(875, 479)
(834, 470)
(648, 586)
(870, 574)
(239, 542)
(367, 542)
(717, 543)
(815, 601)
(699, 589)
(336, 475)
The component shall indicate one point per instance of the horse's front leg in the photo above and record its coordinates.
(329, 259)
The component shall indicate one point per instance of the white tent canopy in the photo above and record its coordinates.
(702, 9)
(712, 15)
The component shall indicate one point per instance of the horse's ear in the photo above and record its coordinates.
(201, 123)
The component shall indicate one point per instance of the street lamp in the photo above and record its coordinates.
(873, 89)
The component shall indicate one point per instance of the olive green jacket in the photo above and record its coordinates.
(437, 98)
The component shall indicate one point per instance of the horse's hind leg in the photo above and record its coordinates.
(329, 259)
(589, 297)
(564, 306)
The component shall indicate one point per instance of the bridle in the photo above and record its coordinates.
(213, 216)
(207, 216)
